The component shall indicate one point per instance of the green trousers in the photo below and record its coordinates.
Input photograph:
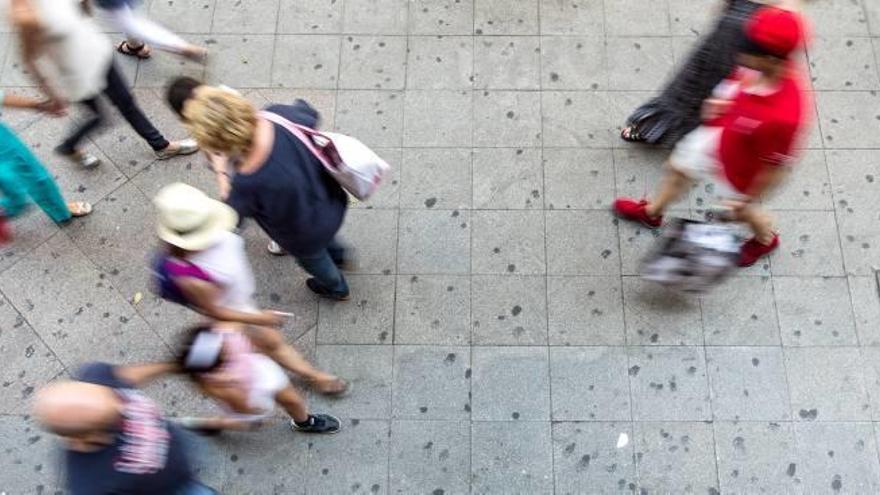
(23, 179)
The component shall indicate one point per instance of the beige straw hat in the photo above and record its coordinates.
(189, 219)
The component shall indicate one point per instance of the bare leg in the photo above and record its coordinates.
(759, 221)
(271, 343)
(222, 423)
(293, 403)
(673, 186)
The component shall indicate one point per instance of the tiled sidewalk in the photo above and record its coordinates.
(499, 339)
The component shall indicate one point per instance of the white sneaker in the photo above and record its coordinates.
(178, 148)
(275, 250)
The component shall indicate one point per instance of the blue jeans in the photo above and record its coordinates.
(322, 266)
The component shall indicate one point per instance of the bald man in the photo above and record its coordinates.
(117, 440)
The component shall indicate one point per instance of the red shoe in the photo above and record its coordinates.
(5, 231)
(752, 250)
(631, 209)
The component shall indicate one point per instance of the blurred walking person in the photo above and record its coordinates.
(58, 31)
(139, 31)
(203, 265)
(676, 111)
(24, 179)
(276, 180)
(750, 130)
(116, 439)
(246, 384)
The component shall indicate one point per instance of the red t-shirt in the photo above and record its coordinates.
(761, 129)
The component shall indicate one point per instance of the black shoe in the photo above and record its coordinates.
(318, 423)
(320, 290)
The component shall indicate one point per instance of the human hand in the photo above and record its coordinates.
(195, 53)
(57, 107)
(714, 108)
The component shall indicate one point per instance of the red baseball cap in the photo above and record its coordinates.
(775, 31)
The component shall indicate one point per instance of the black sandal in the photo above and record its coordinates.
(631, 134)
(142, 52)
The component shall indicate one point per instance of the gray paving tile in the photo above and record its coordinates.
(506, 16)
(839, 18)
(574, 62)
(576, 17)
(848, 118)
(73, 306)
(440, 62)
(508, 179)
(507, 118)
(436, 178)
(367, 319)
(668, 384)
(826, 384)
(853, 174)
(630, 18)
(508, 242)
(372, 235)
(873, 11)
(870, 362)
(589, 384)
(161, 69)
(441, 17)
(639, 172)
(585, 311)
(354, 461)
(638, 63)
(815, 311)
(430, 457)
(373, 62)
(657, 316)
(31, 229)
(866, 309)
(757, 458)
(264, 460)
(581, 179)
(511, 457)
(433, 309)
(240, 61)
(689, 18)
(839, 456)
(437, 118)
(808, 244)
(374, 117)
(376, 17)
(306, 61)
(741, 311)
(184, 17)
(434, 242)
(32, 461)
(510, 384)
(368, 369)
(807, 188)
(310, 16)
(256, 16)
(507, 62)
(431, 382)
(585, 454)
(576, 119)
(29, 364)
(676, 457)
(843, 63)
(209, 460)
(748, 383)
(581, 243)
(509, 310)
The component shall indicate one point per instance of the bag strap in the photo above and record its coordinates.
(302, 133)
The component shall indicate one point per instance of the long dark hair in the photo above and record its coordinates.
(185, 348)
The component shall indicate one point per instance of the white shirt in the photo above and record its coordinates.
(227, 264)
(80, 52)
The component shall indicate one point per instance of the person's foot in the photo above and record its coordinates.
(79, 157)
(275, 249)
(178, 148)
(79, 208)
(331, 386)
(631, 209)
(317, 423)
(197, 425)
(752, 250)
(322, 291)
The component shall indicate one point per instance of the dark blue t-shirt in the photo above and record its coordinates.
(291, 197)
(148, 456)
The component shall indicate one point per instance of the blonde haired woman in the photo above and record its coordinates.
(275, 180)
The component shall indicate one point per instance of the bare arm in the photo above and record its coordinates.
(767, 179)
(140, 374)
(25, 18)
(20, 101)
(203, 296)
